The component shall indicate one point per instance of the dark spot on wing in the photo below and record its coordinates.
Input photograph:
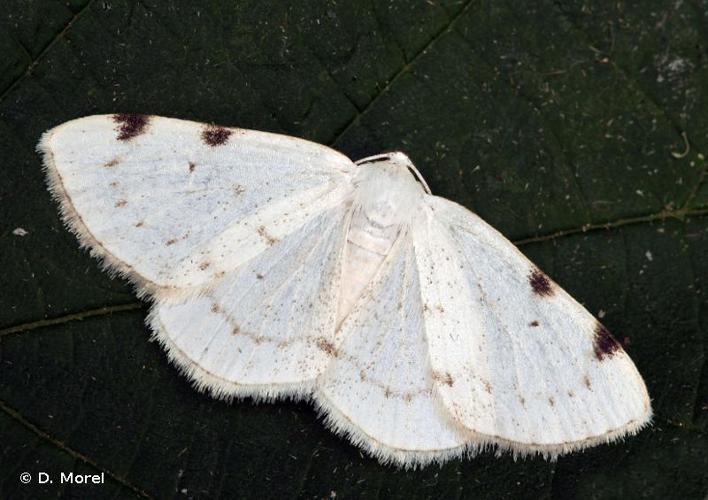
(214, 135)
(170, 242)
(533, 323)
(259, 276)
(192, 166)
(139, 224)
(604, 344)
(115, 161)
(131, 125)
(263, 233)
(445, 378)
(204, 265)
(586, 381)
(540, 283)
(215, 308)
(328, 347)
(121, 203)
(551, 401)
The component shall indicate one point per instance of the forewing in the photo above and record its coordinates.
(378, 386)
(530, 369)
(175, 204)
(266, 329)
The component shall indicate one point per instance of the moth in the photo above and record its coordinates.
(279, 268)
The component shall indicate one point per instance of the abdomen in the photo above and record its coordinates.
(367, 245)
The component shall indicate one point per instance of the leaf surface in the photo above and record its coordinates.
(578, 130)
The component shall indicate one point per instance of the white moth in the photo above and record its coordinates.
(279, 268)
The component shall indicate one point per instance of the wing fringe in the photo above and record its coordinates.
(219, 387)
(340, 424)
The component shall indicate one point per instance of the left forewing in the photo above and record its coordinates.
(173, 204)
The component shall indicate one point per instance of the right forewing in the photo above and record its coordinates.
(529, 368)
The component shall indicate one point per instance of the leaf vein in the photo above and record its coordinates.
(403, 69)
(78, 316)
(33, 62)
(679, 214)
(16, 416)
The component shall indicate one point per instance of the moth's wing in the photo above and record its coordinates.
(530, 369)
(264, 330)
(174, 204)
(377, 389)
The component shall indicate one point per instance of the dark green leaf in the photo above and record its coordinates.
(577, 129)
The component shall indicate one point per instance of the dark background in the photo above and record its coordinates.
(560, 123)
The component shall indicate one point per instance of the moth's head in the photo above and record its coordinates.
(396, 163)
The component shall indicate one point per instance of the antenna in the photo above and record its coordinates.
(392, 157)
(419, 178)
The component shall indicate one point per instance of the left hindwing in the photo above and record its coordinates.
(518, 361)
(264, 329)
